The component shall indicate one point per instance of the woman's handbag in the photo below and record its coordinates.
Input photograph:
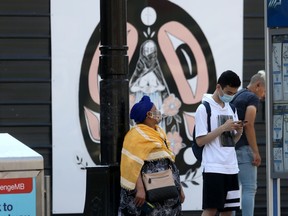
(159, 186)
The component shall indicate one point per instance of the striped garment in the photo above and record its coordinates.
(142, 143)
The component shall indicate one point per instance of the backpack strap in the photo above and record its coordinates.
(208, 110)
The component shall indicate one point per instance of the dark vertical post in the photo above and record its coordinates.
(114, 103)
(114, 86)
(103, 182)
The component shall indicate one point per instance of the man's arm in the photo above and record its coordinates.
(202, 140)
(250, 133)
(229, 125)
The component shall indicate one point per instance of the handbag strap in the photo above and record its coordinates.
(166, 144)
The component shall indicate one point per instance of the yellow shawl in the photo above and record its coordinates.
(141, 143)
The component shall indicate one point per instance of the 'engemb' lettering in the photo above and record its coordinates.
(9, 188)
(17, 185)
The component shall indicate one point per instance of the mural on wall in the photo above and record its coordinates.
(170, 61)
(176, 50)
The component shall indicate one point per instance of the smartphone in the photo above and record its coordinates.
(147, 207)
(242, 122)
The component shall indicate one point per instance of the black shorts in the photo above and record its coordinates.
(221, 192)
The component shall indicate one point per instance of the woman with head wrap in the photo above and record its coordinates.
(146, 149)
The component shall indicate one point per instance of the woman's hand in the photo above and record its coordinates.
(182, 196)
(140, 192)
(140, 197)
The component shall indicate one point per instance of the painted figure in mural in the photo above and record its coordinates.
(147, 78)
(220, 169)
(247, 102)
(141, 153)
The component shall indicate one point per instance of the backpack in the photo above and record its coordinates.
(197, 150)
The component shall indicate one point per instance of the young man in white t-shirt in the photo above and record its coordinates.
(220, 168)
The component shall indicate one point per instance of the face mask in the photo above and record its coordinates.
(156, 115)
(226, 98)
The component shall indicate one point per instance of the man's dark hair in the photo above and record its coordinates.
(229, 78)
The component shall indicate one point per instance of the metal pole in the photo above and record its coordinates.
(273, 185)
(114, 86)
(114, 109)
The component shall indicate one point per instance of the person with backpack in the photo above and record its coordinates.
(220, 168)
(247, 101)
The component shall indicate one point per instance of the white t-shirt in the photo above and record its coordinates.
(216, 158)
